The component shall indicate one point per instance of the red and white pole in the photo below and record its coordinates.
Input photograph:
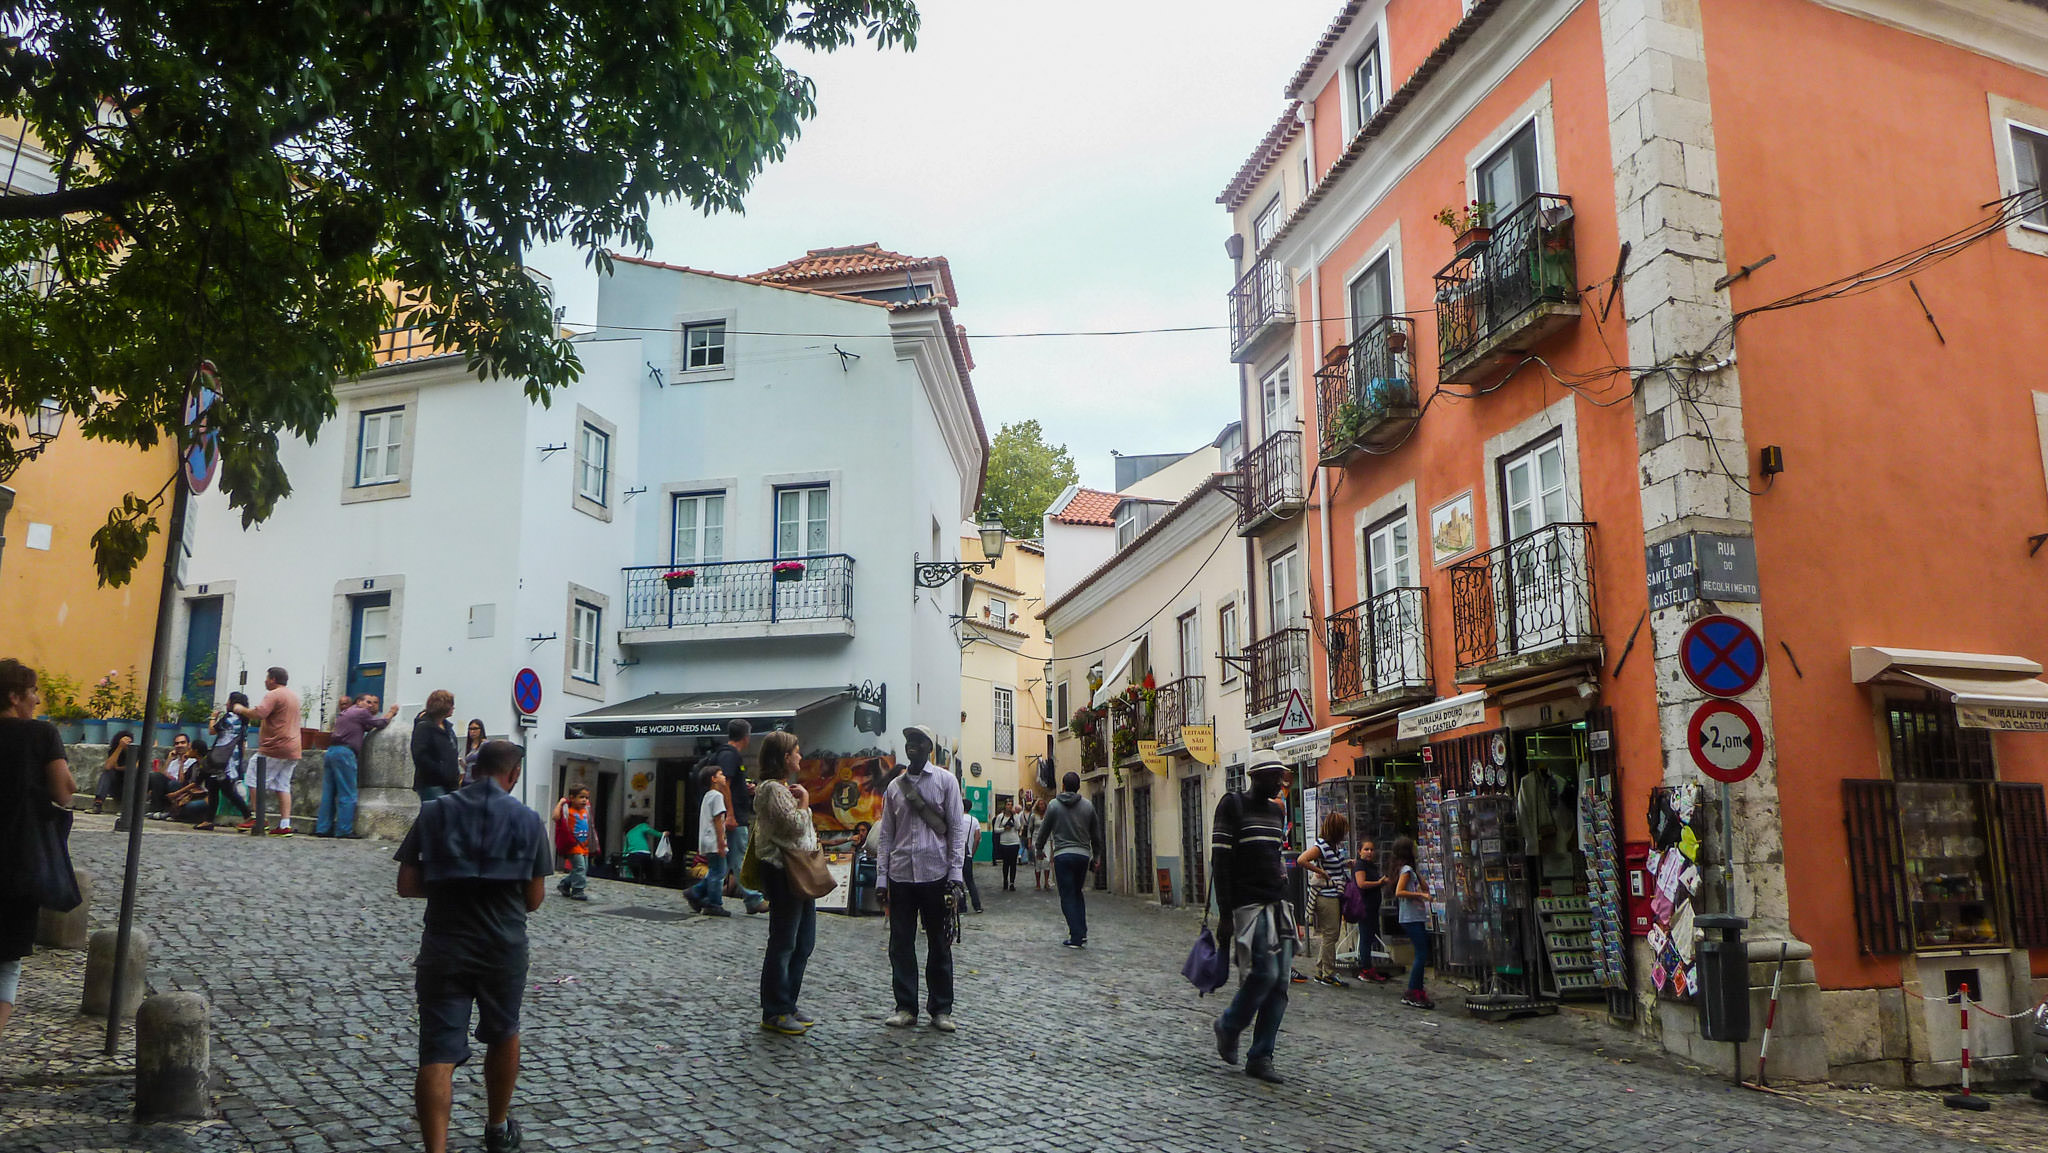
(1964, 1100)
(1763, 1053)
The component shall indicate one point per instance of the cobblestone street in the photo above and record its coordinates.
(640, 1032)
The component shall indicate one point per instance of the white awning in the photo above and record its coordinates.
(1988, 691)
(1442, 716)
(1123, 665)
(1306, 747)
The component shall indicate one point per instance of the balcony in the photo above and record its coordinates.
(1503, 296)
(1181, 703)
(1275, 666)
(1379, 653)
(1526, 606)
(1271, 481)
(1365, 393)
(1131, 719)
(1261, 307)
(739, 600)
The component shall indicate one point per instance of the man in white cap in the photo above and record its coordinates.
(920, 849)
(1251, 894)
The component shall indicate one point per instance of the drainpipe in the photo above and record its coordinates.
(1323, 507)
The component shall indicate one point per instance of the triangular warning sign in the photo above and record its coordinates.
(1297, 718)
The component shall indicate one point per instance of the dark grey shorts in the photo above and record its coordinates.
(445, 1000)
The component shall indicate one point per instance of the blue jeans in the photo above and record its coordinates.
(710, 892)
(337, 793)
(577, 878)
(792, 931)
(1418, 936)
(1071, 871)
(736, 854)
(1261, 1000)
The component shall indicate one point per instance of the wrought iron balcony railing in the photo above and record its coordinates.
(740, 592)
(1181, 703)
(1277, 665)
(1380, 648)
(1259, 304)
(1526, 604)
(1503, 294)
(1365, 392)
(1271, 479)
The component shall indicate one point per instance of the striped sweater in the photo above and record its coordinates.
(1244, 851)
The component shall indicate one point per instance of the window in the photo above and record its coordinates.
(1047, 683)
(803, 520)
(1533, 487)
(1004, 717)
(380, 438)
(699, 529)
(1509, 176)
(2029, 163)
(703, 346)
(1226, 639)
(1060, 711)
(1388, 555)
(593, 464)
(1372, 295)
(1367, 95)
(1126, 523)
(999, 610)
(1276, 392)
(1190, 629)
(584, 643)
(1283, 590)
(1233, 777)
(1265, 226)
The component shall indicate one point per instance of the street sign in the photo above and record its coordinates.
(200, 458)
(1726, 741)
(1721, 656)
(1297, 718)
(526, 691)
(1701, 565)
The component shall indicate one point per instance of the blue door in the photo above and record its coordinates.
(369, 643)
(202, 648)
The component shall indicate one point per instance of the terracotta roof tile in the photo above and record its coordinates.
(1321, 52)
(1261, 160)
(622, 258)
(855, 261)
(1215, 482)
(1091, 506)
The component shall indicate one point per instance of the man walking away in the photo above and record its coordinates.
(920, 847)
(713, 815)
(337, 817)
(436, 770)
(973, 847)
(481, 859)
(731, 758)
(1251, 892)
(277, 743)
(1068, 827)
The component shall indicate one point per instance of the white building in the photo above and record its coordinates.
(444, 532)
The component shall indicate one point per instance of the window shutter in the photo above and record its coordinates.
(2023, 827)
(1871, 811)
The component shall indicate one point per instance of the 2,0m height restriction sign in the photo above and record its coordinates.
(1726, 741)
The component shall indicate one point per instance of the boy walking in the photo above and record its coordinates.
(576, 841)
(714, 813)
(481, 860)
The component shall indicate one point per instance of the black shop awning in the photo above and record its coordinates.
(699, 714)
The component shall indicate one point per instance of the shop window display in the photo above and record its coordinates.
(1945, 832)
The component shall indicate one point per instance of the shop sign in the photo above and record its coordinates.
(1442, 716)
(1313, 747)
(1726, 741)
(1691, 566)
(1600, 740)
(1200, 741)
(1148, 752)
(2005, 718)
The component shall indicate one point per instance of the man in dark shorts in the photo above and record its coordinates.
(481, 859)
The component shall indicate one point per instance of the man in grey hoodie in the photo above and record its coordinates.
(1069, 826)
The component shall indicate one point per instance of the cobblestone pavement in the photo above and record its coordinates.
(640, 1032)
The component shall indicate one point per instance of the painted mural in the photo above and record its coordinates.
(847, 789)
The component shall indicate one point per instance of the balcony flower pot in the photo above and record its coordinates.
(92, 731)
(788, 572)
(70, 732)
(310, 739)
(681, 579)
(1472, 240)
(1397, 342)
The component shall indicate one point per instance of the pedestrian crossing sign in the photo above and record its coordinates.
(1297, 718)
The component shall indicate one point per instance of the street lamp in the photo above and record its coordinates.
(934, 574)
(44, 423)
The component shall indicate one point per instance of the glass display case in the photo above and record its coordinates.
(1945, 834)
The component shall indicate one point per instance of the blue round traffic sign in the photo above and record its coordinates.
(526, 691)
(1721, 656)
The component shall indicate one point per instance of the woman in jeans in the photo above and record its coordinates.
(1413, 899)
(782, 825)
(113, 780)
(1008, 843)
(33, 776)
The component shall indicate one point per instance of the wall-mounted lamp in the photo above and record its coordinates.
(44, 423)
(936, 573)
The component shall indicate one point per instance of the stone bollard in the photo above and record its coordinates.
(99, 971)
(171, 1058)
(70, 930)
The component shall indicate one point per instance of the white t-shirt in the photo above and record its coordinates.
(709, 815)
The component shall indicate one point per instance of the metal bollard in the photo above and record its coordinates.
(99, 972)
(171, 1057)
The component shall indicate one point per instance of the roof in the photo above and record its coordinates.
(1261, 160)
(1213, 484)
(1321, 52)
(758, 282)
(859, 260)
(1090, 506)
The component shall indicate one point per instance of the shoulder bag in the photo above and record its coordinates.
(808, 875)
(750, 865)
(46, 876)
(1207, 967)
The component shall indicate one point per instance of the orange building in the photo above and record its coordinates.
(1631, 373)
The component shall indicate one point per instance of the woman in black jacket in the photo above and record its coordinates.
(436, 769)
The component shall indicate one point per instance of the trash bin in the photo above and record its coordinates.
(1724, 977)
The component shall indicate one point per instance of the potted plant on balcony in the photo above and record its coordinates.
(788, 570)
(1469, 225)
(681, 578)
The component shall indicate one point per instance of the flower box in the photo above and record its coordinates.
(680, 579)
(788, 571)
(1472, 240)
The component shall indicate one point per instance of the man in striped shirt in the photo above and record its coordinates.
(1251, 891)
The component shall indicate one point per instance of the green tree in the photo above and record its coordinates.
(268, 183)
(1024, 475)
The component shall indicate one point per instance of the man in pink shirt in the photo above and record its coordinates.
(277, 744)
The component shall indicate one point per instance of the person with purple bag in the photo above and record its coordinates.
(1251, 891)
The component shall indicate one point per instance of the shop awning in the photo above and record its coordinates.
(699, 714)
(1306, 747)
(1123, 665)
(1443, 716)
(1989, 691)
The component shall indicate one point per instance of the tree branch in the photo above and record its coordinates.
(52, 205)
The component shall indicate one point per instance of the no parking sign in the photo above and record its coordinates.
(1721, 656)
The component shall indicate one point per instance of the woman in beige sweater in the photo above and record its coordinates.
(782, 824)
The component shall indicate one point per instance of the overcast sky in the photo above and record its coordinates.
(1065, 157)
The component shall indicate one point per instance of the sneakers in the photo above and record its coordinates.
(1296, 977)
(696, 906)
(505, 1140)
(1074, 944)
(1332, 982)
(715, 911)
(785, 1024)
(1373, 975)
(1417, 1000)
(1226, 1043)
(754, 907)
(901, 1019)
(1263, 1070)
(248, 826)
(578, 896)
(943, 1022)
(804, 1019)
(281, 831)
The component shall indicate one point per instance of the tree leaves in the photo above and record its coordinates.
(1025, 475)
